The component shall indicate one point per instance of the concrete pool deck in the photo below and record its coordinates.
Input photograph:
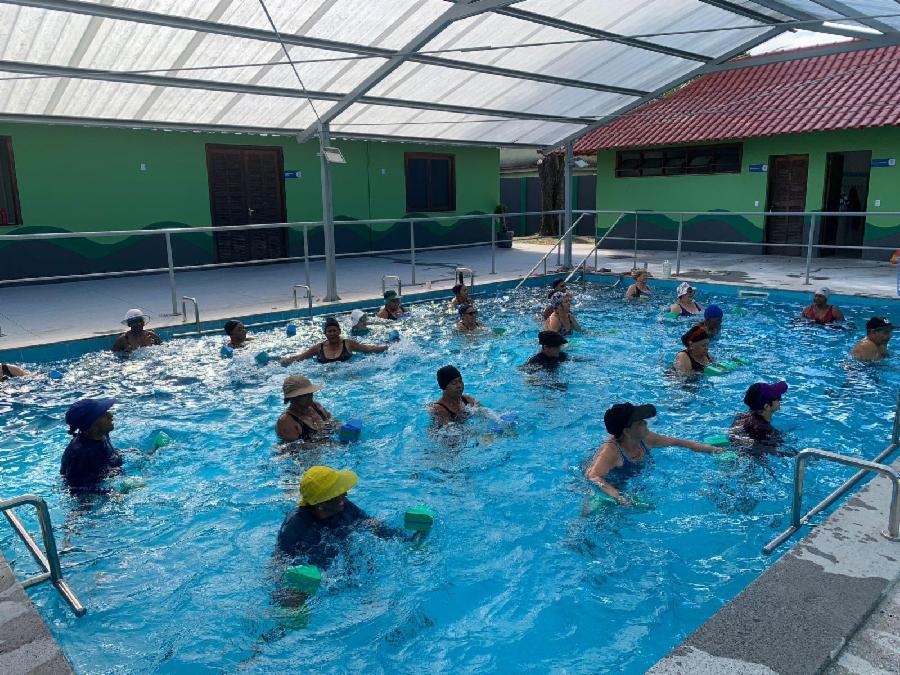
(42, 314)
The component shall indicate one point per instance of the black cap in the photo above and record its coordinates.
(230, 325)
(330, 321)
(878, 323)
(446, 375)
(623, 415)
(550, 338)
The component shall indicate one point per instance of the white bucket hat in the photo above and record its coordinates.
(132, 314)
(356, 316)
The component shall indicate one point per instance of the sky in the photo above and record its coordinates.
(795, 39)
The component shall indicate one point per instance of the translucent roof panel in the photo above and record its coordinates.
(529, 72)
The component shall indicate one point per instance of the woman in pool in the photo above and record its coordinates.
(304, 419)
(562, 320)
(237, 333)
(135, 337)
(460, 296)
(624, 453)
(359, 322)
(752, 432)
(8, 371)
(686, 305)
(453, 405)
(468, 321)
(90, 456)
(392, 310)
(694, 358)
(820, 311)
(639, 290)
(333, 348)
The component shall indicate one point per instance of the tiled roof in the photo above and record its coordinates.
(849, 90)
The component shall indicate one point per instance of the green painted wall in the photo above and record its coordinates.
(738, 192)
(89, 179)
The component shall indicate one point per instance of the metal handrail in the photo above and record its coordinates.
(399, 284)
(308, 297)
(184, 300)
(597, 243)
(547, 254)
(50, 562)
(456, 274)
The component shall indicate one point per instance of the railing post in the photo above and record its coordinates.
(306, 252)
(634, 265)
(171, 274)
(809, 246)
(559, 237)
(412, 250)
(596, 245)
(893, 531)
(493, 244)
(678, 250)
(797, 503)
(895, 434)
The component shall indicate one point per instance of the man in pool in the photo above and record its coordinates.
(752, 432)
(90, 456)
(468, 319)
(624, 453)
(453, 405)
(560, 286)
(551, 354)
(236, 332)
(312, 532)
(820, 311)
(392, 309)
(135, 337)
(873, 347)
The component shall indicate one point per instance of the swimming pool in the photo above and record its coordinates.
(177, 575)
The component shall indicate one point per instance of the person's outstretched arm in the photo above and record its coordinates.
(302, 356)
(366, 349)
(654, 440)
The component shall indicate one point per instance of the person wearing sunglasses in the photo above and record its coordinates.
(468, 319)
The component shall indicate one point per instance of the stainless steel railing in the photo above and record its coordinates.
(308, 297)
(555, 246)
(184, 300)
(48, 561)
(593, 250)
(459, 275)
(399, 284)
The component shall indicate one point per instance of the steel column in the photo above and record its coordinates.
(331, 294)
(306, 252)
(678, 250)
(412, 251)
(171, 274)
(809, 246)
(567, 196)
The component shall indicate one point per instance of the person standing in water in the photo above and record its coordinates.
(392, 310)
(562, 320)
(873, 347)
(90, 456)
(468, 319)
(639, 290)
(236, 332)
(820, 311)
(453, 405)
(304, 419)
(334, 348)
(135, 337)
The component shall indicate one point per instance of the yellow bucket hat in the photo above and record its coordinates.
(321, 483)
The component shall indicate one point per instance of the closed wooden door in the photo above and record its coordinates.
(787, 192)
(246, 187)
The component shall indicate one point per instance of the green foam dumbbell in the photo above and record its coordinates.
(130, 484)
(303, 578)
(161, 439)
(419, 518)
(717, 441)
(714, 370)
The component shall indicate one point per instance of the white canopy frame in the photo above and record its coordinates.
(527, 73)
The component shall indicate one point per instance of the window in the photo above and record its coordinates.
(690, 160)
(9, 191)
(430, 182)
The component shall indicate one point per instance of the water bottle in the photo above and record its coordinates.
(666, 270)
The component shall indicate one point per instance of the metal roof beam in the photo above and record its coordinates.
(800, 15)
(600, 34)
(735, 8)
(807, 53)
(235, 87)
(232, 129)
(740, 49)
(848, 11)
(212, 27)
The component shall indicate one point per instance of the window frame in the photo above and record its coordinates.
(687, 152)
(14, 183)
(430, 156)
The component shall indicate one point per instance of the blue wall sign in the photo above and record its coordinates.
(759, 168)
(295, 173)
(880, 163)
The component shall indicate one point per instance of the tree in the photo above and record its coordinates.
(550, 173)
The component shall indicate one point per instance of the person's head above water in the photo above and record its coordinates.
(467, 312)
(878, 330)
(551, 342)
(332, 329)
(684, 288)
(558, 298)
(299, 390)
(358, 319)
(324, 489)
(625, 419)
(235, 330)
(460, 291)
(558, 285)
(450, 381)
(764, 397)
(820, 297)
(694, 335)
(91, 416)
(712, 319)
(135, 319)
(391, 298)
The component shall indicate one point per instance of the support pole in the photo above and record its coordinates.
(678, 253)
(412, 250)
(171, 274)
(634, 266)
(493, 245)
(809, 246)
(331, 294)
(567, 196)
(306, 253)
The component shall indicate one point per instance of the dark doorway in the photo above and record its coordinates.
(787, 192)
(246, 187)
(846, 189)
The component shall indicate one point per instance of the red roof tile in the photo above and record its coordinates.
(850, 90)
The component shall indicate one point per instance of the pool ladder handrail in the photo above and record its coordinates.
(462, 270)
(184, 300)
(49, 562)
(866, 467)
(308, 297)
(384, 284)
(547, 254)
(583, 262)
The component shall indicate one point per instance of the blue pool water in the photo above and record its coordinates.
(177, 576)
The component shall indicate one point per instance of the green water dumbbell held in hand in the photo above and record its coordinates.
(717, 441)
(303, 578)
(419, 518)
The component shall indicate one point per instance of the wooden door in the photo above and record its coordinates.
(246, 186)
(787, 192)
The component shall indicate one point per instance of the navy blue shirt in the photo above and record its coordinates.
(86, 461)
(543, 361)
(751, 433)
(317, 542)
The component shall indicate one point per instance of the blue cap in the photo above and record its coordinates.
(713, 312)
(82, 414)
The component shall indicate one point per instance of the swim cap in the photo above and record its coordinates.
(557, 299)
(230, 325)
(446, 375)
(684, 288)
(825, 292)
(82, 414)
(695, 334)
(355, 316)
(330, 321)
(713, 312)
(390, 296)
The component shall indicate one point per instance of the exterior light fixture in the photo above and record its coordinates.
(334, 155)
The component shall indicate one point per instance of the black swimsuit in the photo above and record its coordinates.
(452, 416)
(306, 431)
(696, 366)
(343, 356)
(5, 372)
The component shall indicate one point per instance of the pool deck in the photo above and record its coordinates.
(26, 645)
(829, 602)
(48, 313)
